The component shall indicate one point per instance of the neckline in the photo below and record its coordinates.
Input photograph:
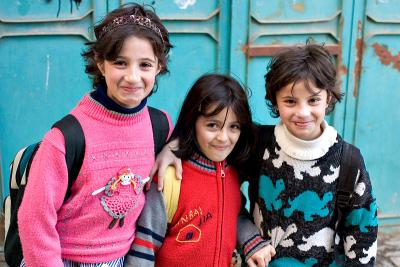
(302, 149)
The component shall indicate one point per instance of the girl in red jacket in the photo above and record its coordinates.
(215, 136)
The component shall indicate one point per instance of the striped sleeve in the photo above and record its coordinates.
(249, 238)
(150, 231)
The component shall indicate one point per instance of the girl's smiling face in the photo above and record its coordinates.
(301, 110)
(131, 76)
(217, 135)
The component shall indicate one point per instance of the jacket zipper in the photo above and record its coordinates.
(222, 173)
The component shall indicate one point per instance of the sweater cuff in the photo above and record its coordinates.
(254, 244)
(150, 231)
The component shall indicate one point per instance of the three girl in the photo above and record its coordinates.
(96, 225)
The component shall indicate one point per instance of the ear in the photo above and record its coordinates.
(159, 68)
(328, 99)
(100, 65)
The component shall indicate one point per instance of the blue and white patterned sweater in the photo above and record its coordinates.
(296, 203)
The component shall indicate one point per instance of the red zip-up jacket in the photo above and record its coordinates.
(203, 229)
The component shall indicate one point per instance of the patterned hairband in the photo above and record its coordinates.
(131, 19)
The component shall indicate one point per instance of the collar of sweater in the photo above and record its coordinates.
(99, 112)
(201, 162)
(100, 95)
(305, 150)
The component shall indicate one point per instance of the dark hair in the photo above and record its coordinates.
(311, 63)
(108, 45)
(223, 92)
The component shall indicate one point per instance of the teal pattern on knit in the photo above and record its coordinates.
(310, 204)
(363, 218)
(297, 208)
(272, 201)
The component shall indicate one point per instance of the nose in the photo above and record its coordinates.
(303, 110)
(222, 135)
(132, 75)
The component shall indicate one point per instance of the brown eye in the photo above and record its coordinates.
(314, 100)
(119, 63)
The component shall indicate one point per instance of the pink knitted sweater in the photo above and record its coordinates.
(78, 229)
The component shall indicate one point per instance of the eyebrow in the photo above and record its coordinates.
(145, 58)
(312, 95)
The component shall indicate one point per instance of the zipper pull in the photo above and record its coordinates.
(222, 170)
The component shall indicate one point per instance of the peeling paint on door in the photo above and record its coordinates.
(358, 62)
(298, 6)
(386, 57)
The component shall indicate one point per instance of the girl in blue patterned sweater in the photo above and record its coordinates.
(294, 194)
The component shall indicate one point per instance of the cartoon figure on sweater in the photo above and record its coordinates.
(121, 195)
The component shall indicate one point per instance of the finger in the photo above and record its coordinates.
(148, 184)
(178, 169)
(261, 262)
(273, 252)
(267, 259)
(154, 169)
(251, 263)
(161, 176)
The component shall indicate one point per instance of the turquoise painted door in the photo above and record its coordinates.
(42, 78)
(372, 113)
(41, 72)
(364, 38)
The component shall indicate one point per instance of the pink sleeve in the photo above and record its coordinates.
(44, 195)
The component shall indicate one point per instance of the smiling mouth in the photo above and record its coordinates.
(302, 124)
(131, 88)
(221, 148)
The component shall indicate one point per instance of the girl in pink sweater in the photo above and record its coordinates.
(95, 226)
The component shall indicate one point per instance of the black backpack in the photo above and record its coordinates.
(74, 154)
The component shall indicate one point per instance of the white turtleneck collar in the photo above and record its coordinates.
(305, 150)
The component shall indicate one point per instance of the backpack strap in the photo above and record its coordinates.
(160, 125)
(171, 191)
(348, 175)
(74, 147)
(265, 135)
(21, 165)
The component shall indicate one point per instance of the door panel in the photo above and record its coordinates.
(376, 127)
(41, 70)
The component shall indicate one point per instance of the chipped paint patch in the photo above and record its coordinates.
(385, 57)
(358, 61)
(342, 69)
(357, 68)
(184, 4)
(298, 6)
